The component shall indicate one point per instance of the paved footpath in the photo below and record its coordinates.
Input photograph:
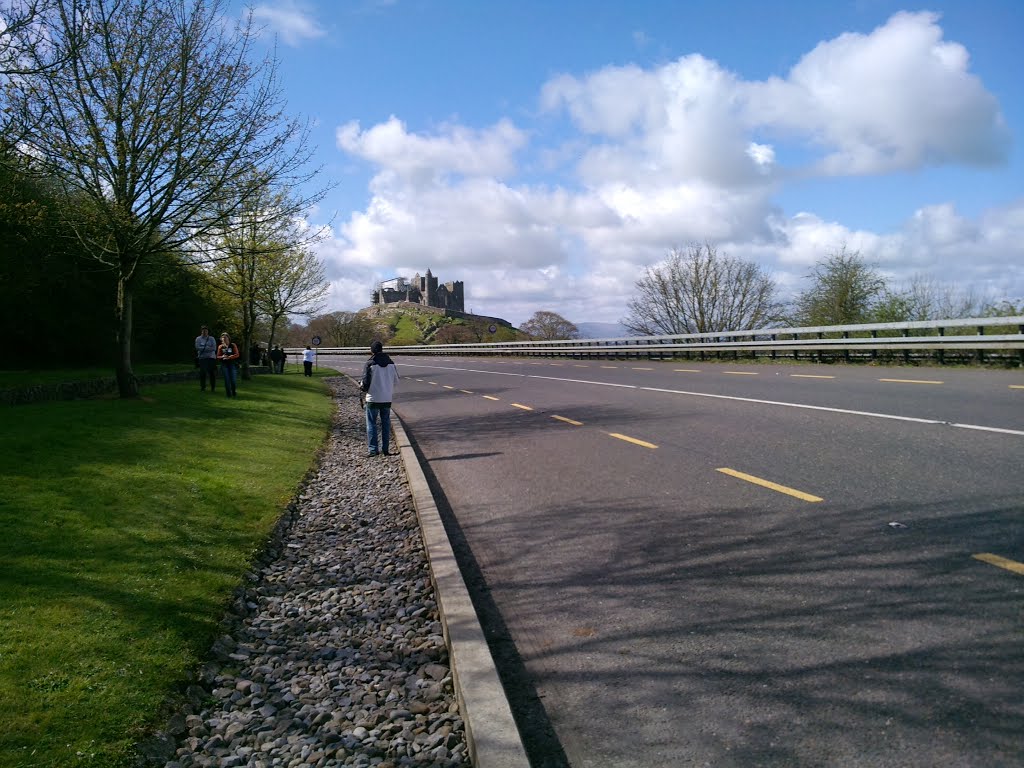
(352, 643)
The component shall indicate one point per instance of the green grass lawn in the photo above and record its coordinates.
(126, 527)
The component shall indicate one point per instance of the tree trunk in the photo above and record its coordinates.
(273, 332)
(127, 384)
(248, 325)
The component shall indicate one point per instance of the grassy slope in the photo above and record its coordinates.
(125, 527)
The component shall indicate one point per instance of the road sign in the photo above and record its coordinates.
(316, 341)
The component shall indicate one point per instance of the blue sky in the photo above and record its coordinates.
(545, 153)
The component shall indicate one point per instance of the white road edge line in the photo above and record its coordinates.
(846, 411)
(824, 408)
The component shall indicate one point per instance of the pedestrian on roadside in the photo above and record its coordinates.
(307, 361)
(277, 359)
(206, 357)
(379, 379)
(228, 355)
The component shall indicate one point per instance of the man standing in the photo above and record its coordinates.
(379, 378)
(206, 354)
(308, 358)
(277, 359)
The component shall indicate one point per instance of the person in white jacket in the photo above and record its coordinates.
(379, 379)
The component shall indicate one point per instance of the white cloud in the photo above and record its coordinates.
(681, 153)
(678, 122)
(455, 150)
(896, 99)
(762, 154)
(290, 20)
(986, 254)
(899, 98)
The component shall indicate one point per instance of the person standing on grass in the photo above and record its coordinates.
(227, 353)
(206, 356)
(277, 359)
(379, 379)
(307, 361)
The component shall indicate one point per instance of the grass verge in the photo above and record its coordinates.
(126, 526)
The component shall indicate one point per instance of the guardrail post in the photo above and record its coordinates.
(906, 352)
(846, 350)
(874, 352)
(1020, 352)
(981, 352)
(774, 339)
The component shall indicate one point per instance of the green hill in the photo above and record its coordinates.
(406, 323)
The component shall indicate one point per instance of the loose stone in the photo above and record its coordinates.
(333, 653)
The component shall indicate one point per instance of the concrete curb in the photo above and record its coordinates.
(491, 732)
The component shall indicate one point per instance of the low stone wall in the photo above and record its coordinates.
(81, 390)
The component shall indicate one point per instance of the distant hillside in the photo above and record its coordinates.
(602, 330)
(407, 323)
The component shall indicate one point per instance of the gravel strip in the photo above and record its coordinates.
(334, 652)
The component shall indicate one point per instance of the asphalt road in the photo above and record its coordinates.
(716, 564)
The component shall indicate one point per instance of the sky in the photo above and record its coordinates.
(547, 152)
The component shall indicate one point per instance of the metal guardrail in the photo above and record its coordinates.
(916, 339)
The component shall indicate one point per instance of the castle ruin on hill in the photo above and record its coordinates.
(421, 290)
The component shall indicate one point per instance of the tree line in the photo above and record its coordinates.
(150, 168)
(699, 290)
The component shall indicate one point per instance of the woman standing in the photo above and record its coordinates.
(227, 353)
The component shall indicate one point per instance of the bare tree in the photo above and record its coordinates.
(162, 122)
(844, 289)
(289, 281)
(699, 291)
(261, 263)
(24, 40)
(549, 326)
(925, 298)
(455, 334)
(234, 274)
(344, 329)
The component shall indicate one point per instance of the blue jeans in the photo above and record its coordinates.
(372, 412)
(229, 372)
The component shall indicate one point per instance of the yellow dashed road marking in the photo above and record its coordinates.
(488, 397)
(768, 484)
(809, 376)
(468, 392)
(524, 407)
(1000, 562)
(643, 369)
(685, 370)
(568, 420)
(432, 382)
(910, 381)
(1017, 386)
(740, 373)
(610, 367)
(447, 387)
(633, 440)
